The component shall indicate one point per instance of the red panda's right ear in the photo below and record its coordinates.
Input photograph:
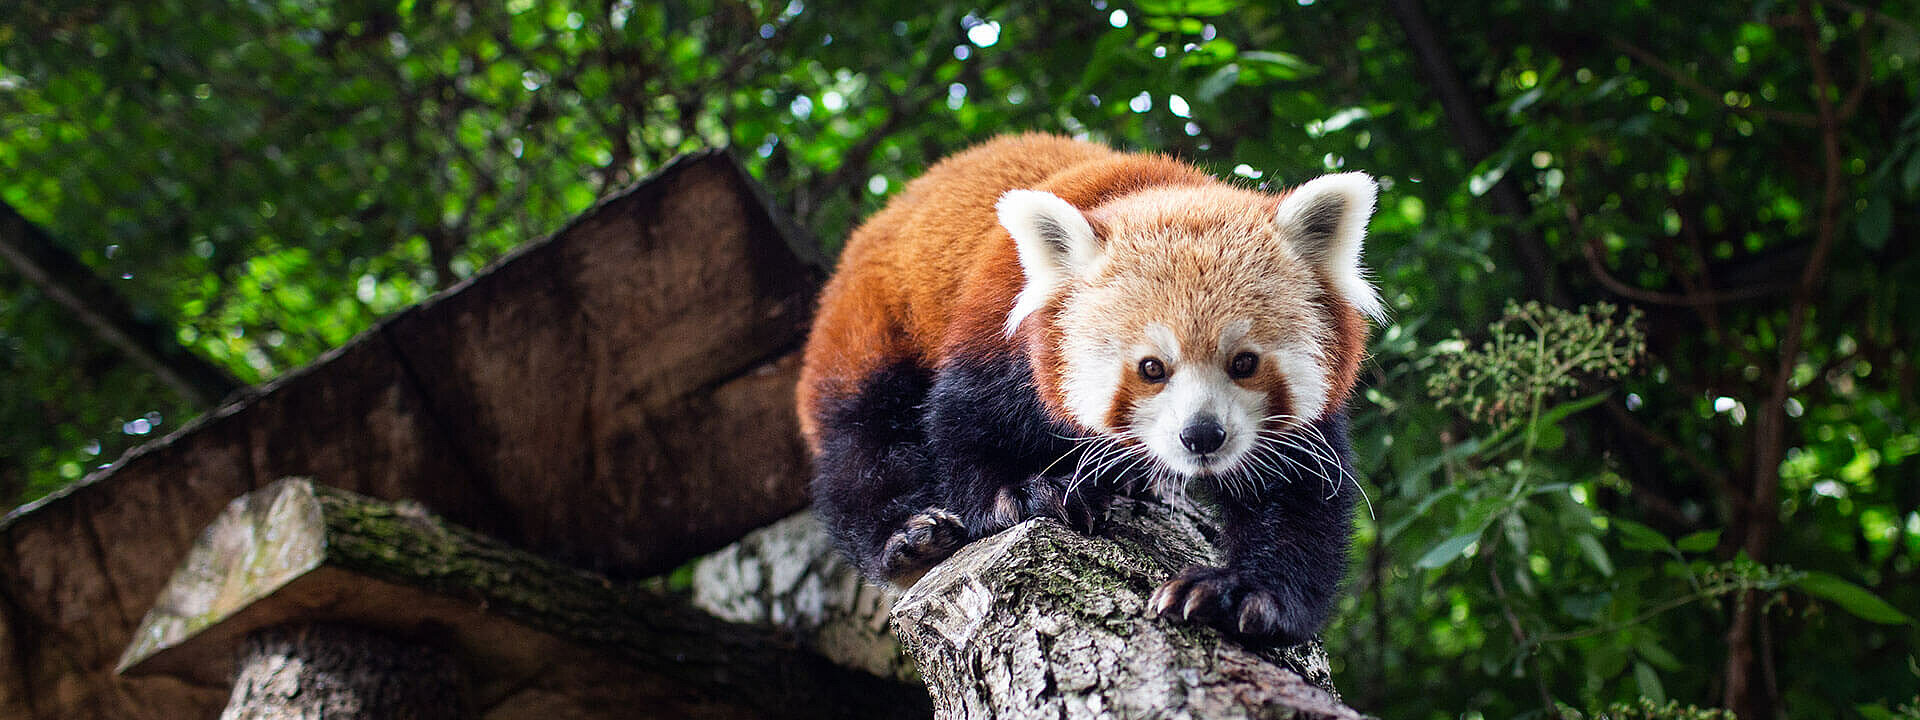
(1054, 240)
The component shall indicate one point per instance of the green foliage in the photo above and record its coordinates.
(1647, 709)
(1557, 528)
(1905, 711)
(1535, 352)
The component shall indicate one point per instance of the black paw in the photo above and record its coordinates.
(1231, 602)
(1049, 496)
(922, 542)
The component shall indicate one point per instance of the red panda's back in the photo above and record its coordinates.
(942, 231)
(933, 272)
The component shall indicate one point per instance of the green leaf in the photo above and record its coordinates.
(1660, 657)
(1607, 659)
(1445, 552)
(1276, 65)
(1419, 511)
(1547, 437)
(1585, 607)
(1852, 598)
(1526, 100)
(1699, 542)
(1218, 83)
(1649, 682)
(1566, 409)
(1191, 8)
(1597, 555)
(1100, 60)
(1634, 536)
(1875, 223)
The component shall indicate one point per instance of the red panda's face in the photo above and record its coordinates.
(1198, 326)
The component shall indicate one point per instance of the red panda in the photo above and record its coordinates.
(1037, 322)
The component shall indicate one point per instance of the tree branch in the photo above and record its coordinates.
(1690, 82)
(1469, 129)
(1769, 447)
(1043, 622)
(1590, 248)
(97, 305)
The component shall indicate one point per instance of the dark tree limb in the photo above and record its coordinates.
(1745, 663)
(1713, 98)
(67, 281)
(1471, 131)
(1694, 298)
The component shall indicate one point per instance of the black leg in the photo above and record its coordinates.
(1000, 458)
(873, 482)
(1286, 549)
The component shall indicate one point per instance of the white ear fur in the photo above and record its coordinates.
(1055, 242)
(1326, 220)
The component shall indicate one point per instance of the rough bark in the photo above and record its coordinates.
(1042, 622)
(617, 397)
(299, 552)
(787, 577)
(1036, 622)
(67, 281)
(333, 672)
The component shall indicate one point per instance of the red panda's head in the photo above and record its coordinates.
(1200, 323)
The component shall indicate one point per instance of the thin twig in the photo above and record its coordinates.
(1692, 83)
(1590, 248)
(1521, 641)
(1876, 15)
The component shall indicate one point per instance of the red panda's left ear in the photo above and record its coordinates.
(1055, 243)
(1325, 221)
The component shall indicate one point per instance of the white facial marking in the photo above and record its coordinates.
(1194, 393)
(1090, 376)
(1166, 345)
(1198, 388)
(1054, 242)
(1233, 333)
(1326, 221)
(1306, 383)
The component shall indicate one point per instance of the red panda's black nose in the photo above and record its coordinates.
(1203, 436)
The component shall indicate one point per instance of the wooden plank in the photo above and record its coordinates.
(646, 308)
(614, 396)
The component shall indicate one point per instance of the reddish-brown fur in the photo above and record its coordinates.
(934, 274)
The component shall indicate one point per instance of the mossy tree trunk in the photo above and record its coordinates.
(1043, 622)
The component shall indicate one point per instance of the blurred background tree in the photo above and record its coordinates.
(1719, 508)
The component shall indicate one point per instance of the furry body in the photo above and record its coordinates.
(1038, 322)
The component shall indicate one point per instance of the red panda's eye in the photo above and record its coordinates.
(1152, 371)
(1243, 365)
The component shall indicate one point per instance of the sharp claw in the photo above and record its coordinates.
(1162, 599)
(1195, 600)
(1254, 610)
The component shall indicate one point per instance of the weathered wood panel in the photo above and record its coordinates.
(651, 304)
(574, 400)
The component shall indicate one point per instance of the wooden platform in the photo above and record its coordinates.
(617, 398)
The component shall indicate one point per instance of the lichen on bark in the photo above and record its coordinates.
(1040, 621)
